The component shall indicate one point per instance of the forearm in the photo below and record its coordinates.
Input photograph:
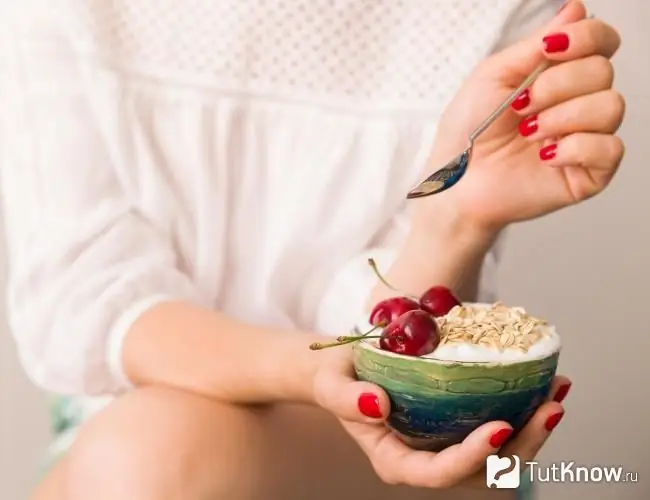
(181, 345)
(447, 253)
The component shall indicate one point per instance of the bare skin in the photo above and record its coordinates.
(214, 451)
(163, 443)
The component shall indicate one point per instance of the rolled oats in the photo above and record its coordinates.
(497, 326)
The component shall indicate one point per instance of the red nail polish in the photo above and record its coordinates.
(528, 126)
(522, 101)
(557, 42)
(500, 437)
(553, 420)
(369, 405)
(561, 393)
(548, 153)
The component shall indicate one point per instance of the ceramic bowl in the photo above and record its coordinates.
(435, 404)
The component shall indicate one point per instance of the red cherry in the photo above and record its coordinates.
(414, 333)
(438, 300)
(391, 309)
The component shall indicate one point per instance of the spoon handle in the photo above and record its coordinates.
(506, 104)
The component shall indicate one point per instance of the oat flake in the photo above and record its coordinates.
(498, 326)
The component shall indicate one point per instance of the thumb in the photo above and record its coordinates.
(521, 58)
(337, 391)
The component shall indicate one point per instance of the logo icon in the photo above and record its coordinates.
(503, 472)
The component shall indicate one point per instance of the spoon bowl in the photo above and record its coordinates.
(444, 178)
(450, 174)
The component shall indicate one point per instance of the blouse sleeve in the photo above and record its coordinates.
(83, 262)
(344, 301)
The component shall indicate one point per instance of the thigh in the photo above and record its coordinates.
(322, 462)
(51, 488)
(162, 444)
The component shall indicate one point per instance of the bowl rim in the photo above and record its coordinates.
(368, 345)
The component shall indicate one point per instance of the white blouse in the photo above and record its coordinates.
(246, 155)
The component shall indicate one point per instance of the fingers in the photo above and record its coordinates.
(601, 112)
(581, 39)
(521, 58)
(530, 440)
(588, 162)
(565, 82)
(568, 37)
(338, 391)
(395, 463)
(532, 437)
(598, 152)
(458, 462)
(559, 389)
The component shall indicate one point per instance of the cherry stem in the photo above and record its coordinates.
(317, 346)
(373, 265)
(348, 339)
(352, 339)
(345, 337)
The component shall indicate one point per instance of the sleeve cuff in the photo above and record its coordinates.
(488, 290)
(118, 334)
(344, 303)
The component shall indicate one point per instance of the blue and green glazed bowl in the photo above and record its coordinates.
(436, 404)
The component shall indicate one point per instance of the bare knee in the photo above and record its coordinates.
(156, 444)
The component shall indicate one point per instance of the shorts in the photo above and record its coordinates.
(66, 416)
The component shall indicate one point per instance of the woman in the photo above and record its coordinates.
(192, 191)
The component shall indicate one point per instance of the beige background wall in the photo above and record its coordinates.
(588, 269)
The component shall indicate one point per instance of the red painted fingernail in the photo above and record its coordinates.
(557, 42)
(553, 420)
(522, 101)
(500, 437)
(528, 126)
(369, 405)
(548, 153)
(561, 393)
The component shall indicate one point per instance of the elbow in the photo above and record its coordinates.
(70, 312)
(60, 367)
(62, 353)
(45, 373)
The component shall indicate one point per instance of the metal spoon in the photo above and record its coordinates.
(451, 173)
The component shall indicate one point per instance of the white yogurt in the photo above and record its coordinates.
(472, 353)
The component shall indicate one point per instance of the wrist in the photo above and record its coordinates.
(441, 222)
(180, 345)
(283, 370)
(446, 250)
(303, 366)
